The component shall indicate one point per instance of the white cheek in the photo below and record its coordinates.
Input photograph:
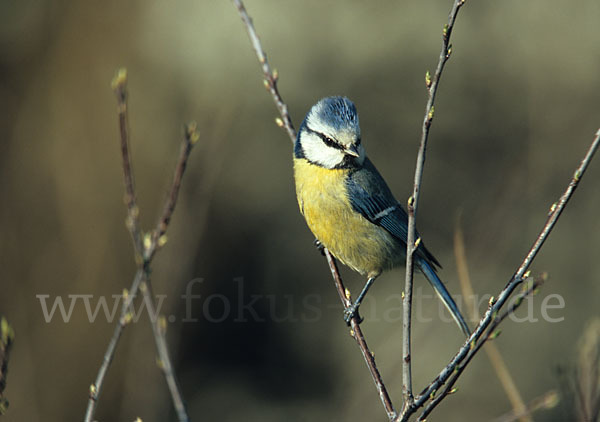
(316, 151)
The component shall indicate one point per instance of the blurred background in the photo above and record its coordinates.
(260, 335)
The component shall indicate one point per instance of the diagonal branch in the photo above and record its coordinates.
(271, 77)
(467, 351)
(159, 329)
(145, 246)
(413, 201)
(356, 333)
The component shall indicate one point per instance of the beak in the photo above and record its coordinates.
(352, 150)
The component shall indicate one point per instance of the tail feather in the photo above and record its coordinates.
(444, 295)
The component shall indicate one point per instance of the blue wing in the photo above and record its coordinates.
(370, 196)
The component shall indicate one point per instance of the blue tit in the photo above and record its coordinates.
(347, 204)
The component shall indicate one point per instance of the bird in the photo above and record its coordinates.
(349, 207)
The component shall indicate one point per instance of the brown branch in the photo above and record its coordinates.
(547, 400)
(587, 374)
(356, 333)
(109, 354)
(271, 77)
(413, 201)
(464, 353)
(159, 329)
(145, 247)
(158, 238)
(119, 86)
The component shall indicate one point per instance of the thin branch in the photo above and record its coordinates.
(158, 238)
(119, 85)
(411, 242)
(145, 247)
(159, 329)
(357, 335)
(271, 77)
(546, 401)
(586, 381)
(495, 305)
(124, 319)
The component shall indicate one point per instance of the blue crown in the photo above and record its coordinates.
(338, 112)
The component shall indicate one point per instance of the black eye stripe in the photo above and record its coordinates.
(326, 139)
(330, 142)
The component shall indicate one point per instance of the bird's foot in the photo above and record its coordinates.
(320, 247)
(351, 312)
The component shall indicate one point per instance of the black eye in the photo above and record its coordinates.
(330, 142)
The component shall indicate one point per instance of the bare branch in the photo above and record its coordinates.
(356, 333)
(159, 234)
(271, 77)
(124, 319)
(145, 247)
(587, 374)
(119, 86)
(413, 201)
(159, 329)
(547, 400)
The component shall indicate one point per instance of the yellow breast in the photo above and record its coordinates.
(323, 201)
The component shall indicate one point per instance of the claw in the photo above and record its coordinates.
(351, 312)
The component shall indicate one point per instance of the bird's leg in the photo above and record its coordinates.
(352, 310)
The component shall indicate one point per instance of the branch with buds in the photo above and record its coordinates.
(145, 246)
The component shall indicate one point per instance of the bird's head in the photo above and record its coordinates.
(330, 135)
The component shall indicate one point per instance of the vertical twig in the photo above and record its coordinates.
(413, 201)
(119, 85)
(145, 246)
